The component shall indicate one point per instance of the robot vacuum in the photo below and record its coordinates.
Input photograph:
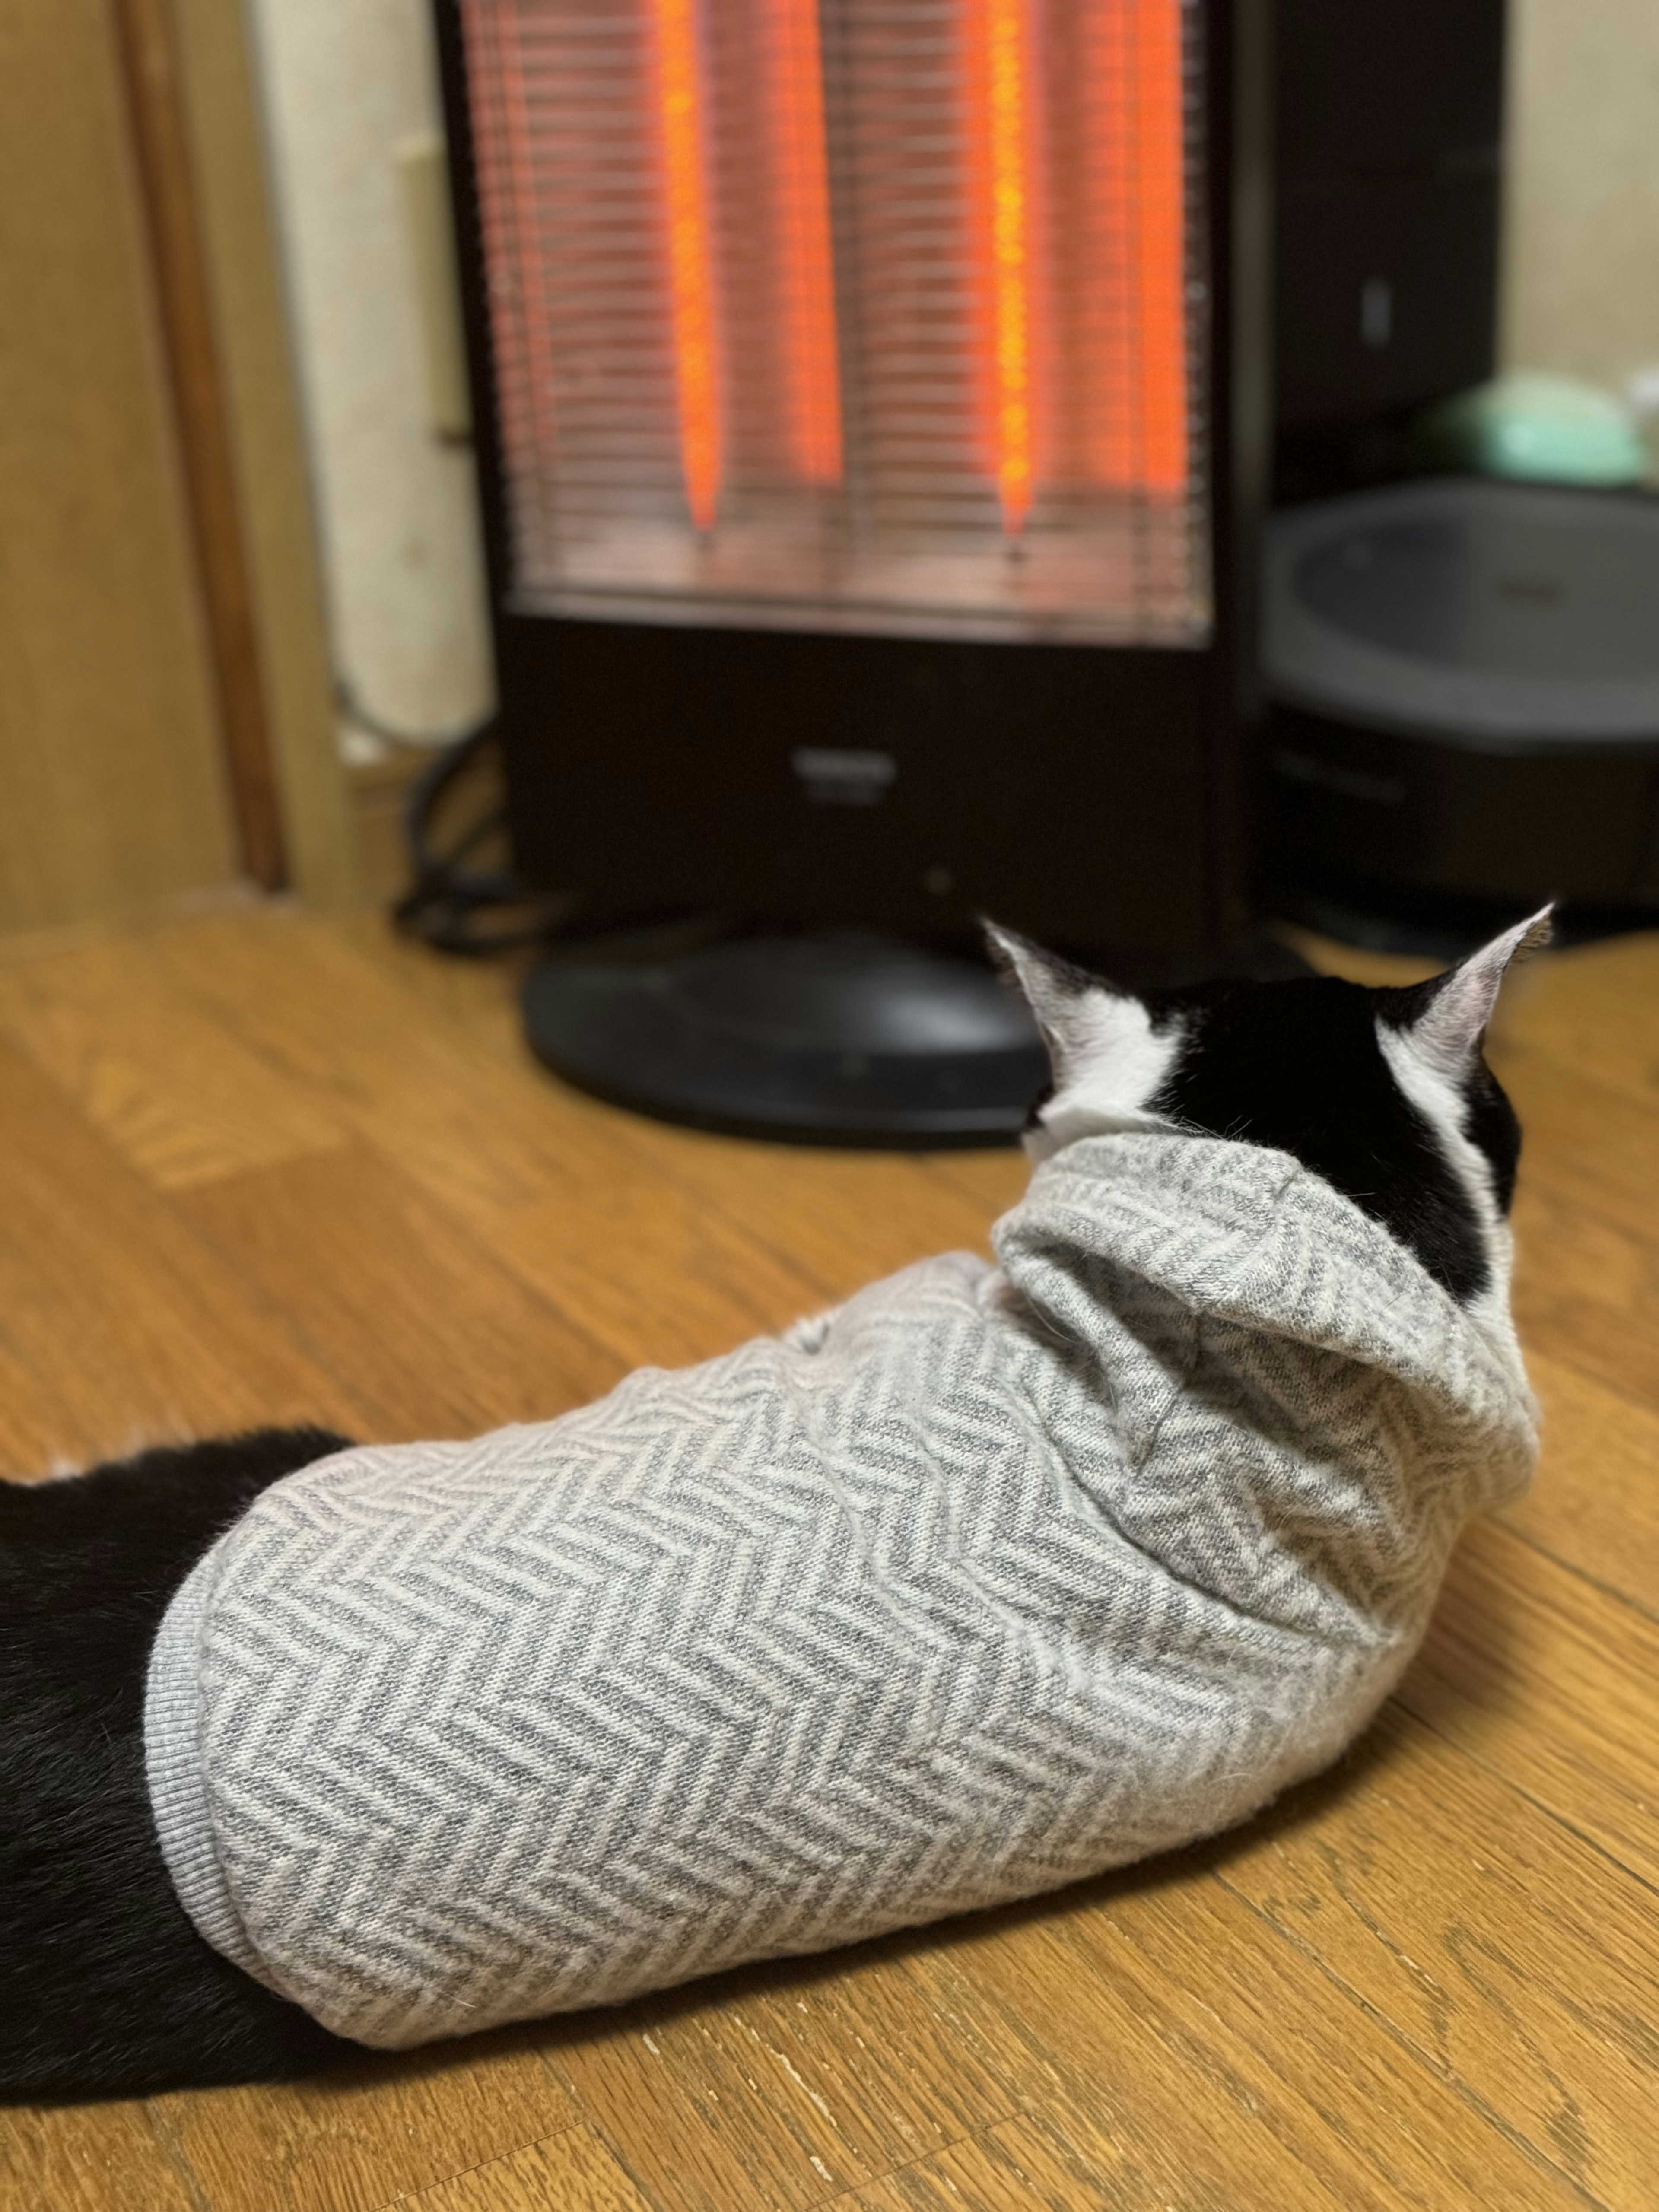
(1464, 687)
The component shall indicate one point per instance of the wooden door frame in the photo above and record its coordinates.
(200, 141)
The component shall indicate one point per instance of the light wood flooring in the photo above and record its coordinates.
(261, 1166)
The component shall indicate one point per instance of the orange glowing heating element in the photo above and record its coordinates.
(1000, 122)
(881, 315)
(803, 192)
(1140, 432)
(690, 263)
(1162, 288)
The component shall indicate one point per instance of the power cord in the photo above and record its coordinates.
(474, 913)
(447, 905)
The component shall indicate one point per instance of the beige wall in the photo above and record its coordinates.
(1582, 249)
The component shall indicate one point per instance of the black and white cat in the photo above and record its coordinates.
(105, 1987)
(1384, 1092)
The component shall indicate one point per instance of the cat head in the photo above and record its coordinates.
(1385, 1092)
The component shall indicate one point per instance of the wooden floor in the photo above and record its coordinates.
(259, 1166)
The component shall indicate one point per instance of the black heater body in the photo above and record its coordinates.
(1388, 120)
(900, 784)
(844, 699)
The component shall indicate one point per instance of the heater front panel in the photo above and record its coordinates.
(894, 783)
(857, 315)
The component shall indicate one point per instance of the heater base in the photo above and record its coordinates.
(842, 1039)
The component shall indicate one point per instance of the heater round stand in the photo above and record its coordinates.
(842, 1038)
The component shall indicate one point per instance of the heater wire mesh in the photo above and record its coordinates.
(875, 315)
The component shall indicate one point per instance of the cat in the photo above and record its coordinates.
(106, 1988)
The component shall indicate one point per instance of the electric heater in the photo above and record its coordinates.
(861, 456)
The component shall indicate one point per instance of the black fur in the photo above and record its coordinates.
(1034, 1111)
(105, 1988)
(1297, 1066)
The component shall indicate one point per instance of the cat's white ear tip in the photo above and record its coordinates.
(1537, 932)
(1005, 946)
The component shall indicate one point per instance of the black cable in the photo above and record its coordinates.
(446, 902)
(448, 906)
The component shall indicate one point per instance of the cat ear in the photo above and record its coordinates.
(1447, 1020)
(1064, 1000)
(1111, 1061)
(1084, 1021)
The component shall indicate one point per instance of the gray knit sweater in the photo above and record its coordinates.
(998, 1578)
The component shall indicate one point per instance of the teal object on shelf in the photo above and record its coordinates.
(1545, 430)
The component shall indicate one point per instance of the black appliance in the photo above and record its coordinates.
(1465, 678)
(1388, 143)
(1462, 676)
(872, 424)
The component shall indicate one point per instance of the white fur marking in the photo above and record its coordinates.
(1115, 1064)
(1430, 1062)
(1420, 1072)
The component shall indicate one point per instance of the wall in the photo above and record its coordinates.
(1581, 252)
(397, 507)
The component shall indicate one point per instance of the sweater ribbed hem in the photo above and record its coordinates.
(172, 1764)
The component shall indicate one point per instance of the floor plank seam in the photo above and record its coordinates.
(1450, 2080)
(423, 1015)
(642, 1155)
(249, 1035)
(641, 1149)
(847, 2196)
(1628, 1394)
(480, 2166)
(634, 1141)
(282, 1323)
(1217, 2068)
(318, 1349)
(1609, 1590)
(587, 2118)
(1518, 1789)
(177, 2157)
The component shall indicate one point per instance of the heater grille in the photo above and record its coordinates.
(872, 315)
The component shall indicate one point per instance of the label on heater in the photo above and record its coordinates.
(837, 776)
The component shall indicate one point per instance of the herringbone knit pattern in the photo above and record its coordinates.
(1016, 1576)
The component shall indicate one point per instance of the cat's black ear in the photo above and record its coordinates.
(1445, 1019)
